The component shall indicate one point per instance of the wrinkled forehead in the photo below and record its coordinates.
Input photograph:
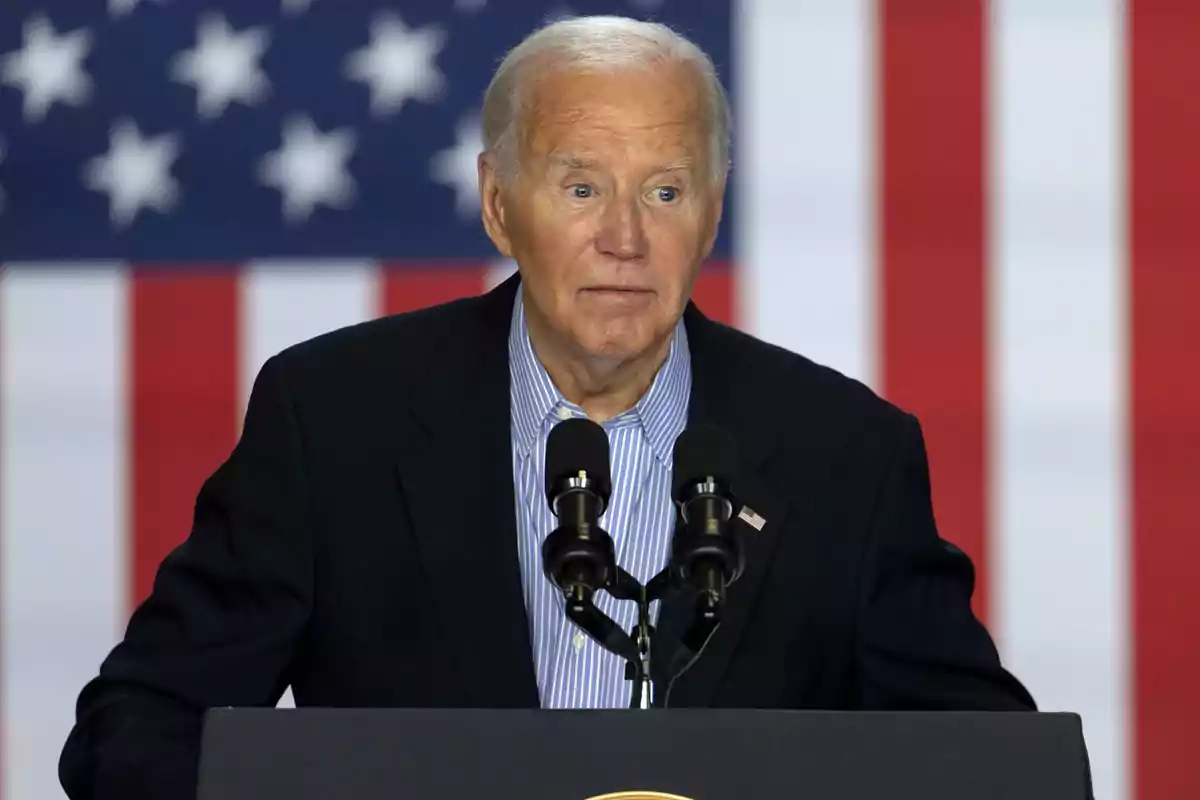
(573, 117)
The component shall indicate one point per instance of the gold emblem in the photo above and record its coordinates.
(639, 795)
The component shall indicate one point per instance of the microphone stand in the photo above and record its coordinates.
(643, 633)
(637, 670)
(707, 611)
(636, 645)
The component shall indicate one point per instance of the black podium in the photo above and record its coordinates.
(700, 754)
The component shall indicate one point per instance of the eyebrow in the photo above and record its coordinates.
(572, 162)
(568, 161)
(679, 165)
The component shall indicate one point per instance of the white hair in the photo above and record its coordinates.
(598, 42)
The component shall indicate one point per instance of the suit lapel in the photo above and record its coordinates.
(456, 478)
(721, 395)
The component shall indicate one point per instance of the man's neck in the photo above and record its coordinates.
(603, 388)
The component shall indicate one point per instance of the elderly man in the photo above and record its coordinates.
(373, 539)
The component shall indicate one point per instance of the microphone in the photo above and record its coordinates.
(706, 553)
(578, 557)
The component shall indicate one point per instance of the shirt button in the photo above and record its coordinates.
(564, 412)
(579, 640)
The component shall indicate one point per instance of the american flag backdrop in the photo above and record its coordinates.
(988, 211)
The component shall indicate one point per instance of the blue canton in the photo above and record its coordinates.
(221, 131)
(572, 670)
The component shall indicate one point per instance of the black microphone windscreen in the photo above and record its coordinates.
(574, 445)
(703, 451)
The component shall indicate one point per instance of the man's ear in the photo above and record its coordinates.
(718, 209)
(491, 200)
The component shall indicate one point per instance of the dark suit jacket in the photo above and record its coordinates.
(359, 545)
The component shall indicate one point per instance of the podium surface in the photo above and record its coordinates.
(700, 754)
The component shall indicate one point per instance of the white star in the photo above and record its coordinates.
(119, 8)
(135, 172)
(398, 64)
(223, 66)
(296, 6)
(310, 168)
(457, 167)
(48, 68)
(470, 6)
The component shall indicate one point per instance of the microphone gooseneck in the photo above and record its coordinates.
(578, 556)
(706, 553)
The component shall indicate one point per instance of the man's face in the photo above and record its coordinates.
(613, 208)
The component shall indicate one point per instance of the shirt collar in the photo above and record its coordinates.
(661, 412)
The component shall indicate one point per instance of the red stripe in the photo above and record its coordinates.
(184, 403)
(714, 292)
(1165, 393)
(408, 287)
(933, 271)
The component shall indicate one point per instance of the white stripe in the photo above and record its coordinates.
(287, 302)
(1059, 549)
(805, 178)
(62, 513)
(498, 272)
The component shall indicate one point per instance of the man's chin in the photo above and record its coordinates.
(616, 347)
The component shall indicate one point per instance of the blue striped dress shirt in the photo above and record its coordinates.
(572, 670)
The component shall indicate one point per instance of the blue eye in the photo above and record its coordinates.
(581, 190)
(667, 194)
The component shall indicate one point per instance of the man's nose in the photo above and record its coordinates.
(622, 230)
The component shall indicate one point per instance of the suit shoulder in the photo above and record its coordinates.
(403, 338)
(402, 343)
(796, 381)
